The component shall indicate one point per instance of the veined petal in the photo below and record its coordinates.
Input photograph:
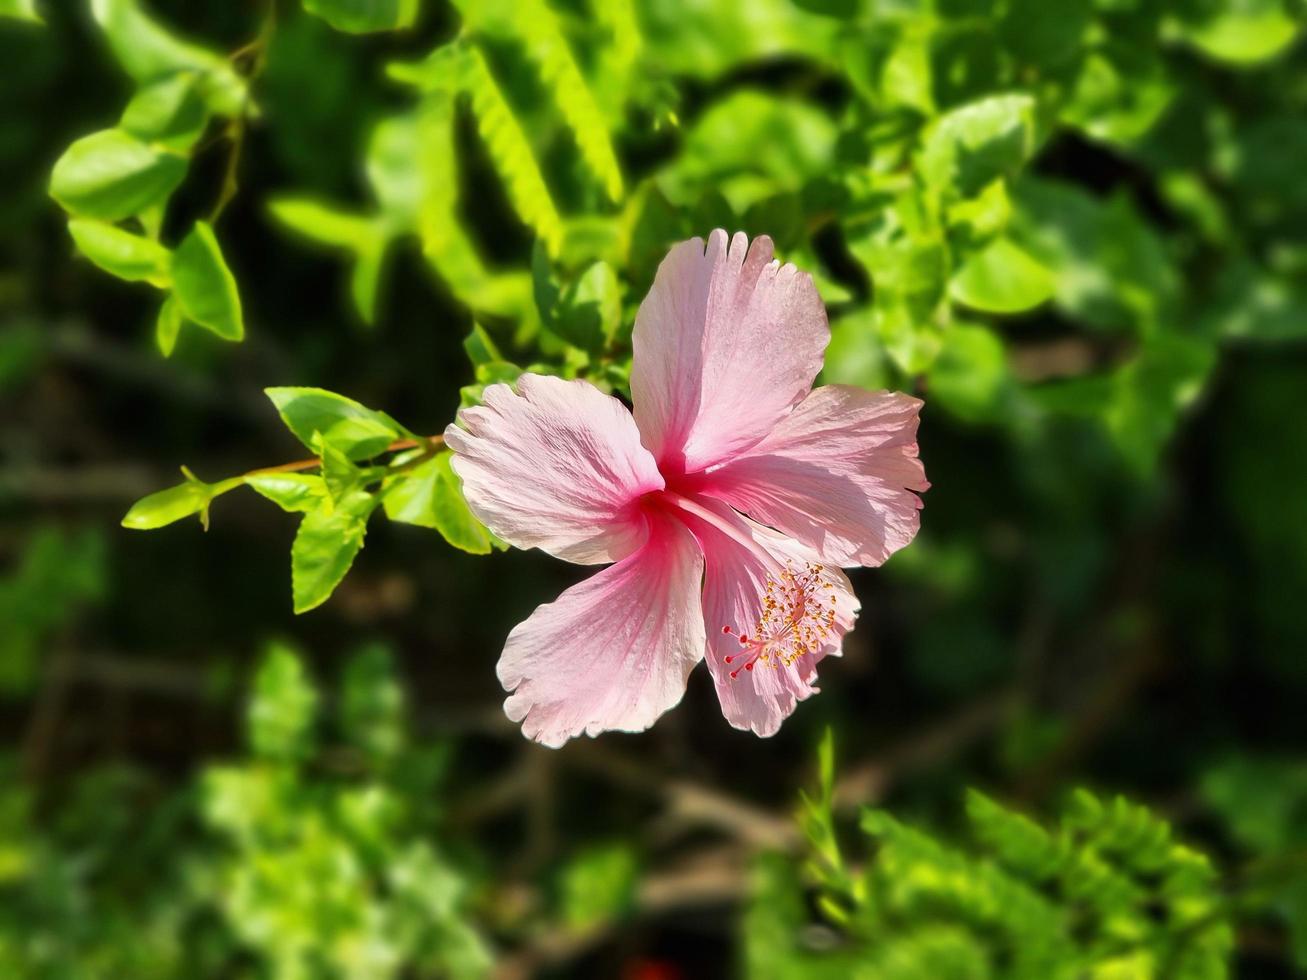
(772, 611)
(838, 474)
(555, 465)
(614, 652)
(726, 343)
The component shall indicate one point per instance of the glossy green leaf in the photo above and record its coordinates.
(292, 492)
(169, 111)
(365, 16)
(1239, 32)
(972, 145)
(317, 416)
(340, 476)
(167, 506)
(121, 253)
(430, 496)
(1002, 278)
(168, 325)
(283, 707)
(111, 175)
(204, 286)
(328, 541)
(149, 51)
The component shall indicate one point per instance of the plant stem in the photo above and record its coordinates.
(433, 444)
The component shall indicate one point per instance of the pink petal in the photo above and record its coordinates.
(837, 474)
(555, 465)
(726, 343)
(614, 652)
(736, 578)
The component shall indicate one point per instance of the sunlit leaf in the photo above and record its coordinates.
(1242, 32)
(169, 111)
(1002, 278)
(317, 416)
(328, 541)
(430, 496)
(365, 16)
(972, 145)
(204, 286)
(111, 175)
(149, 51)
(121, 253)
(294, 492)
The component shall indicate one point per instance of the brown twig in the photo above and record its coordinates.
(432, 443)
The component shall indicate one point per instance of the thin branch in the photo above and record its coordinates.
(433, 444)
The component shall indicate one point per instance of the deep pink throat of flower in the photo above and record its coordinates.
(727, 501)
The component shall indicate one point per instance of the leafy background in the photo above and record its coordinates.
(1066, 738)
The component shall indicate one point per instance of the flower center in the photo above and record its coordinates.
(797, 615)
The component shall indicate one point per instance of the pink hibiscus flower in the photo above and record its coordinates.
(727, 503)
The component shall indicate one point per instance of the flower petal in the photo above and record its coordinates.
(736, 580)
(614, 652)
(555, 465)
(726, 343)
(837, 474)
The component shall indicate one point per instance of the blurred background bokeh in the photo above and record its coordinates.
(1076, 228)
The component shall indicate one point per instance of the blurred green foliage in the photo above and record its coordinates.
(1076, 228)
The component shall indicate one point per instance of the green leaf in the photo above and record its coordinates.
(321, 222)
(204, 286)
(970, 376)
(1110, 268)
(168, 326)
(972, 145)
(292, 492)
(121, 253)
(365, 16)
(1002, 278)
(283, 707)
(1120, 94)
(148, 51)
(1238, 32)
(166, 506)
(429, 495)
(340, 476)
(590, 309)
(20, 10)
(169, 111)
(480, 346)
(112, 175)
(317, 417)
(510, 152)
(328, 540)
(535, 26)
